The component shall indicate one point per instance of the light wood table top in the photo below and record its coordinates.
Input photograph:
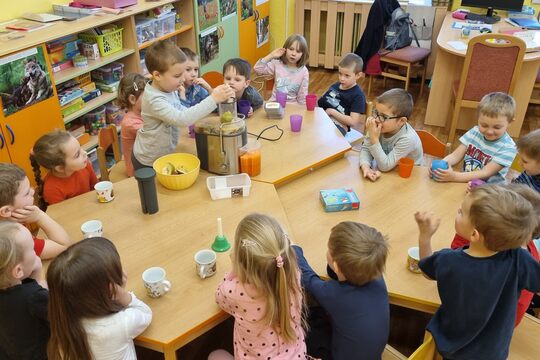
(185, 223)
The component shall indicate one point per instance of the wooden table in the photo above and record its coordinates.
(448, 68)
(185, 223)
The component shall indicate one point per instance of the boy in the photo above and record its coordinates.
(389, 135)
(17, 204)
(237, 74)
(24, 327)
(529, 158)
(161, 108)
(487, 150)
(356, 300)
(479, 285)
(345, 101)
(194, 88)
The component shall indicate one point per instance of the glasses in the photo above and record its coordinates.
(382, 117)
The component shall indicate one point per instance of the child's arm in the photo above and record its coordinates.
(350, 120)
(265, 66)
(303, 91)
(365, 162)
(138, 314)
(204, 84)
(455, 157)
(427, 226)
(254, 98)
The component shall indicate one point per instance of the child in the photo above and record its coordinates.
(161, 108)
(356, 299)
(237, 74)
(287, 65)
(92, 316)
(24, 328)
(194, 88)
(389, 119)
(70, 173)
(17, 204)
(345, 101)
(487, 150)
(263, 293)
(479, 285)
(129, 98)
(529, 158)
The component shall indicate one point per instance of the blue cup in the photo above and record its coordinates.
(438, 164)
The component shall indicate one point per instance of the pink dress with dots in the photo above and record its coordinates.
(253, 338)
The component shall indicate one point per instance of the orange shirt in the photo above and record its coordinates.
(130, 124)
(56, 189)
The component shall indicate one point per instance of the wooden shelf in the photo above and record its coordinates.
(68, 74)
(184, 28)
(91, 105)
(92, 143)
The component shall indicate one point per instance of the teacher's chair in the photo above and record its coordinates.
(492, 63)
(108, 138)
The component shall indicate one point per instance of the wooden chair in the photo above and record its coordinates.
(492, 63)
(213, 78)
(108, 137)
(433, 146)
(426, 351)
(536, 87)
(406, 58)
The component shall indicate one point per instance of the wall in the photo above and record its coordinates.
(280, 26)
(14, 8)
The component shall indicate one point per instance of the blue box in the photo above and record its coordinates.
(339, 200)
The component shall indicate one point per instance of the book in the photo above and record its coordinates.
(530, 24)
(26, 25)
(339, 200)
(531, 38)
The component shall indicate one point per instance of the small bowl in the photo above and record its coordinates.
(189, 162)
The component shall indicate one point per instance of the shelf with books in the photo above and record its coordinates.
(182, 29)
(92, 143)
(91, 105)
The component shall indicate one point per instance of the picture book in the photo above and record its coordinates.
(339, 200)
(527, 23)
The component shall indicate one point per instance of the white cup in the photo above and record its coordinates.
(205, 263)
(92, 228)
(413, 257)
(104, 191)
(155, 282)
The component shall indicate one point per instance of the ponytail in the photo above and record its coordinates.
(284, 300)
(36, 169)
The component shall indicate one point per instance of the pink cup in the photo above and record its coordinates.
(296, 123)
(311, 102)
(192, 131)
(281, 98)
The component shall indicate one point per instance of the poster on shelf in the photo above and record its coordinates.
(228, 9)
(263, 30)
(247, 9)
(24, 80)
(209, 45)
(208, 11)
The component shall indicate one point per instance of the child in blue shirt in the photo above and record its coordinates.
(194, 88)
(529, 158)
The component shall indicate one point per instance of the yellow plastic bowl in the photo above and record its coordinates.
(178, 182)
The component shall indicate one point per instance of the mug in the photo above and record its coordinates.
(413, 257)
(155, 282)
(104, 191)
(92, 228)
(205, 263)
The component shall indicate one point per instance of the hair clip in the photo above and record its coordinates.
(279, 261)
(248, 243)
(135, 86)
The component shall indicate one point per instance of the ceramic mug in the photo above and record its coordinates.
(413, 257)
(155, 282)
(104, 191)
(205, 263)
(92, 228)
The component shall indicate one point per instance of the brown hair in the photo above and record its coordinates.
(162, 55)
(190, 54)
(11, 177)
(47, 152)
(352, 60)
(258, 242)
(398, 100)
(530, 144)
(505, 218)
(131, 84)
(241, 66)
(10, 251)
(359, 250)
(531, 196)
(497, 104)
(81, 283)
(302, 47)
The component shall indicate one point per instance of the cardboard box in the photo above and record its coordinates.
(339, 200)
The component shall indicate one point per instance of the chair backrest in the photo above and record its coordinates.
(426, 351)
(107, 137)
(492, 63)
(516, 165)
(431, 145)
(213, 78)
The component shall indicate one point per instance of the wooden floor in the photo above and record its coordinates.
(321, 79)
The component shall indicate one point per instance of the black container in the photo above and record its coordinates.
(147, 190)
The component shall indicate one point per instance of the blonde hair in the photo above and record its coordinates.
(532, 197)
(264, 258)
(11, 176)
(530, 144)
(505, 218)
(359, 250)
(131, 84)
(163, 54)
(497, 104)
(302, 47)
(10, 251)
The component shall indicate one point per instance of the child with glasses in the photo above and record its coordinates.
(389, 136)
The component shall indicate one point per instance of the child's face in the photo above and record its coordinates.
(236, 81)
(347, 77)
(171, 79)
(530, 165)
(75, 156)
(293, 53)
(463, 225)
(192, 72)
(493, 128)
(30, 260)
(386, 116)
(25, 195)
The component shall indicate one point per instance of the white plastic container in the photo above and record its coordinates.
(224, 187)
(165, 24)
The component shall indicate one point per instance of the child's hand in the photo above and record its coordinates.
(121, 295)
(373, 128)
(277, 53)
(445, 175)
(27, 214)
(250, 112)
(182, 92)
(426, 223)
(331, 112)
(370, 173)
(203, 83)
(222, 93)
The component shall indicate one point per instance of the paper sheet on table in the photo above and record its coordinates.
(458, 45)
(460, 25)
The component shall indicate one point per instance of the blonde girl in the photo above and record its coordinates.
(70, 173)
(287, 66)
(129, 98)
(263, 293)
(91, 314)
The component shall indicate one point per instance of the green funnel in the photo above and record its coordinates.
(221, 244)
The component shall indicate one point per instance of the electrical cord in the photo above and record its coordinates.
(259, 136)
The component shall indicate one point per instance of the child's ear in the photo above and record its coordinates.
(17, 272)
(5, 211)
(132, 99)
(248, 82)
(156, 74)
(59, 168)
(402, 120)
(476, 236)
(359, 75)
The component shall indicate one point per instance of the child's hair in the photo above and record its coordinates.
(531, 196)
(263, 258)
(11, 177)
(497, 104)
(81, 283)
(359, 250)
(398, 100)
(352, 60)
(162, 55)
(530, 144)
(302, 47)
(190, 54)
(131, 84)
(241, 66)
(505, 218)
(47, 152)
(10, 252)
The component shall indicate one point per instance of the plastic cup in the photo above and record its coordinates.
(281, 98)
(191, 131)
(250, 160)
(243, 107)
(311, 102)
(405, 167)
(438, 164)
(296, 123)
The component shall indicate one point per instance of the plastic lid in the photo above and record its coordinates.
(145, 174)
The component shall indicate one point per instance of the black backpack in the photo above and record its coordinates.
(398, 31)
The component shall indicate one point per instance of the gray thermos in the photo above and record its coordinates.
(147, 190)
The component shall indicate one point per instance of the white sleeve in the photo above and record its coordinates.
(365, 155)
(137, 317)
(164, 111)
(387, 162)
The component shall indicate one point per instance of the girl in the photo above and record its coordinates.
(70, 172)
(129, 98)
(287, 65)
(263, 293)
(98, 321)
